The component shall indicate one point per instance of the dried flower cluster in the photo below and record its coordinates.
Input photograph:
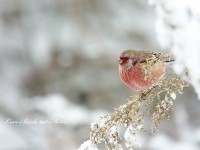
(131, 115)
(151, 61)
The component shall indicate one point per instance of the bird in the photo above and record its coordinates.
(140, 69)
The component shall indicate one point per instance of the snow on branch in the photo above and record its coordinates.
(131, 115)
(178, 29)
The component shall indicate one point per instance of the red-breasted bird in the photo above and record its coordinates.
(132, 72)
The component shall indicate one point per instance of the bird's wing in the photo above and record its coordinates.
(146, 55)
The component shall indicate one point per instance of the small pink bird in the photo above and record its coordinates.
(133, 74)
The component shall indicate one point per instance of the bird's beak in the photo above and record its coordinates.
(119, 61)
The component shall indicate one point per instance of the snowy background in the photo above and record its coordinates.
(58, 72)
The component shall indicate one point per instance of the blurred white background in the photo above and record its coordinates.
(58, 73)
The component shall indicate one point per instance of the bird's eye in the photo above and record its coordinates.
(123, 60)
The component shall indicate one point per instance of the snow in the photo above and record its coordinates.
(11, 138)
(173, 96)
(187, 137)
(57, 107)
(178, 30)
(131, 137)
(87, 145)
(164, 142)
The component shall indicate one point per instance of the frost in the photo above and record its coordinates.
(113, 130)
(178, 29)
(87, 145)
(131, 137)
(173, 96)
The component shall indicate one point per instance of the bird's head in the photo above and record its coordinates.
(128, 58)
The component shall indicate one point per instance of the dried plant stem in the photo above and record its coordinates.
(132, 113)
(159, 97)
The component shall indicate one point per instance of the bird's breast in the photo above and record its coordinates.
(135, 79)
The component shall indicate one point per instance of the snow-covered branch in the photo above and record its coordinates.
(178, 29)
(132, 115)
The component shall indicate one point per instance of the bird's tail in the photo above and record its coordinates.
(169, 61)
